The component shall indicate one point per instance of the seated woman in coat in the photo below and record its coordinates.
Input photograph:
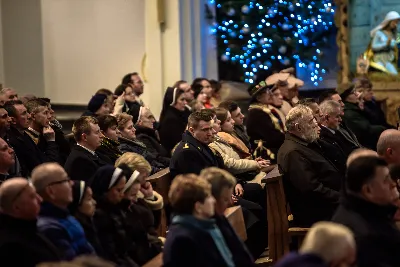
(194, 239)
(247, 167)
(109, 143)
(129, 143)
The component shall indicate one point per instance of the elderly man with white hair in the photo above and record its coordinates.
(327, 244)
(311, 181)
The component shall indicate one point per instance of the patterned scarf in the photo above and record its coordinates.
(112, 146)
(273, 113)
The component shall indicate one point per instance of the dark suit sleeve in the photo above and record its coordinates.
(187, 162)
(80, 169)
(181, 253)
(301, 175)
(260, 126)
(52, 153)
(27, 156)
(361, 126)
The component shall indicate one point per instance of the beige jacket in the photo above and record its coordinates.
(233, 163)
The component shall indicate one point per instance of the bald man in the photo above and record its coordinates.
(361, 152)
(388, 146)
(20, 242)
(55, 222)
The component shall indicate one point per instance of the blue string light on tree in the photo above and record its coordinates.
(264, 34)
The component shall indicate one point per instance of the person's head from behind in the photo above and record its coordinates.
(129, 95)
(125, 126)
(83, 202)
(99, 104)
(18, 113)
(369, 178)
(360, 152)
(388, 146)
(7, 156)
(202, 89)
(7, 94)
(132, 186)
(53, 184)
(135, 162)
(331, 114)
(87, 133)
(108, 184)
(39, 113)
(234, 109)
(5, 121)
(185, 86)
(191, 195)
(135, 81)
(313, 105)
(109, 127)
(300, 121)
(18, 198)
(174, 97)
(200, 125)
(333, 243)
(222, 185)
(226, 121)
(212, 113)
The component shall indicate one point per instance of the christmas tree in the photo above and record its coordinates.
(264, 35)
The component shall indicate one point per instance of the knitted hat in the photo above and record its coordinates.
(136, 111)
(96, 102)
(105, 177)
(78, 191)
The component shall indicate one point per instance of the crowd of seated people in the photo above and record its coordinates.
(60, 201)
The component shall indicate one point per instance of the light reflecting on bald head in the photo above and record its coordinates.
(9, 191)
(45, 174)
(388, 146)
(361, 152)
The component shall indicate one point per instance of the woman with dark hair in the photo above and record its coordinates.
(202, 91)
(126, 99)
(82, 208)
(109, 219)
(174, 118)
(109, 144)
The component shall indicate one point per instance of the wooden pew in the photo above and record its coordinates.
(161, 182)
(234, 216)
(279, 233)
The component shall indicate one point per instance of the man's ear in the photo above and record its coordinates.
(191, 130)
(366, 190)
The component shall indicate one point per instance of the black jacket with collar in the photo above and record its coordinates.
(22, 245)
(29, 154)
(191, 156)
(377, 237)
(311, 181)
(149, 137)
(338, 138)
(81, 164)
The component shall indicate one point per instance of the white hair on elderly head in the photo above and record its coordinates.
(296, 115)
(328, 240)
(329, 107)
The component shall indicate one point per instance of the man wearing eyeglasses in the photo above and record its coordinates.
(20, 242)
(63, 230)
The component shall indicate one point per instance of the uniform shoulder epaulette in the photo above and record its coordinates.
(186, 146)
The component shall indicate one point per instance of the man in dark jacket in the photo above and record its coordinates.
(357, 121)
(20, 242)
(368, 210)
(83, 161)
(193, 154)
(55, 221)
(311, 182)
(29, 153)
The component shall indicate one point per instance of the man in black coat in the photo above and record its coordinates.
(20, 242)
(30, 153)
(311, 181)
(83, 161)
(368, 210)
(193, 154)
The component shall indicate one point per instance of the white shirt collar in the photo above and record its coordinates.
(91, 151)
